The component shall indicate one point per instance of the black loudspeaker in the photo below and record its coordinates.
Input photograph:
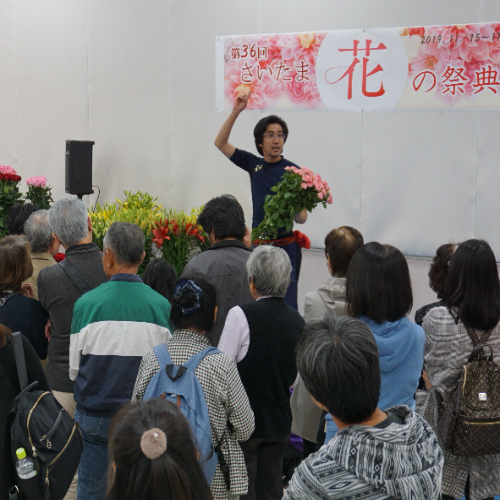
(79, 167)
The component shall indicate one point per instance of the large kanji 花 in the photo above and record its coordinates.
(350, 70)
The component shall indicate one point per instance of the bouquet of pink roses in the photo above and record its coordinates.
(299, 189)
(38, 192)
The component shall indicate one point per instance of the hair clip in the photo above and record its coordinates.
(153, 443)
(188, 286)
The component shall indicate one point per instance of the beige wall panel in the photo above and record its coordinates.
(419, 179)
(129, 96)
(51, 39)
(8, 86)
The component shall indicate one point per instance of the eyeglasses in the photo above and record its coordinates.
(272, 135)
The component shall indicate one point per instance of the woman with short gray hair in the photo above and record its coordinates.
(261, 337)
(269, 269)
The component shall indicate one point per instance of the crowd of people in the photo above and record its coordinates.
(198, 386)
(343, 378)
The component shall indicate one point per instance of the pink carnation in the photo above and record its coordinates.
(37, 181)
(7, 170)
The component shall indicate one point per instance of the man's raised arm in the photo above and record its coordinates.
(221, 141)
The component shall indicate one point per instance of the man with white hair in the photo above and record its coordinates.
(261, 337)
(60, 286)
(44, 245)
(58, 292)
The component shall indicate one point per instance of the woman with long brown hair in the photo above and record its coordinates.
(472, 303)
(9, 389)
(19, 311)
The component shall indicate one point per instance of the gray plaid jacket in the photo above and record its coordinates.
(447, 349)
(226, 399)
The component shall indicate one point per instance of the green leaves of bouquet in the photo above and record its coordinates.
(299, 189)
(38, 192)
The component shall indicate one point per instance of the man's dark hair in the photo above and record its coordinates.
(337, 357)
(472, 285)
(224, 216)
(202, 319)
(18, 215)
(438, 270)
(126, 241)
(160, 275)
(378, 283)
(340, 245)
(260, 128)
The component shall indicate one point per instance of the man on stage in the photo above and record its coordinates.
(265, 171)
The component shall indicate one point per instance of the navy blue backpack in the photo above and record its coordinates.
(180, 385)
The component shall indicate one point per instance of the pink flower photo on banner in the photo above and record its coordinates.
(371, 70)
(263, 92)
(274, 66)
(457, 63)
(299, 52)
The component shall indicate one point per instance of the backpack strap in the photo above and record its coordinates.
(4, 299)
(75, 276)
(163, 356)
(192, 363)
(22, 373)
(475, 339)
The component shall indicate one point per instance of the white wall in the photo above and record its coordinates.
(138, 78)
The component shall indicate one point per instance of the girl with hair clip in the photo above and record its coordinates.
(152, 455)
(472, 302)
(194, 308)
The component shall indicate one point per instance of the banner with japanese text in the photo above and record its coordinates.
(433, 67)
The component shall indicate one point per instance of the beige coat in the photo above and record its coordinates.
(39, 261)
(330, 297)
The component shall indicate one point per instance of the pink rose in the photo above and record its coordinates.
(320, 196)
(7, 170)
(330, 199)
(37, 181)
(303, 185)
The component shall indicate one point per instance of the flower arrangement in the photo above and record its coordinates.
(179, 237)
(9, 195)
(174, 234)
(38, 192)
(299, 189)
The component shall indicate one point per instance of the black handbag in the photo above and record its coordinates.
(40, 425)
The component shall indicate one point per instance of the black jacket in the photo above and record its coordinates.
(268, 370)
